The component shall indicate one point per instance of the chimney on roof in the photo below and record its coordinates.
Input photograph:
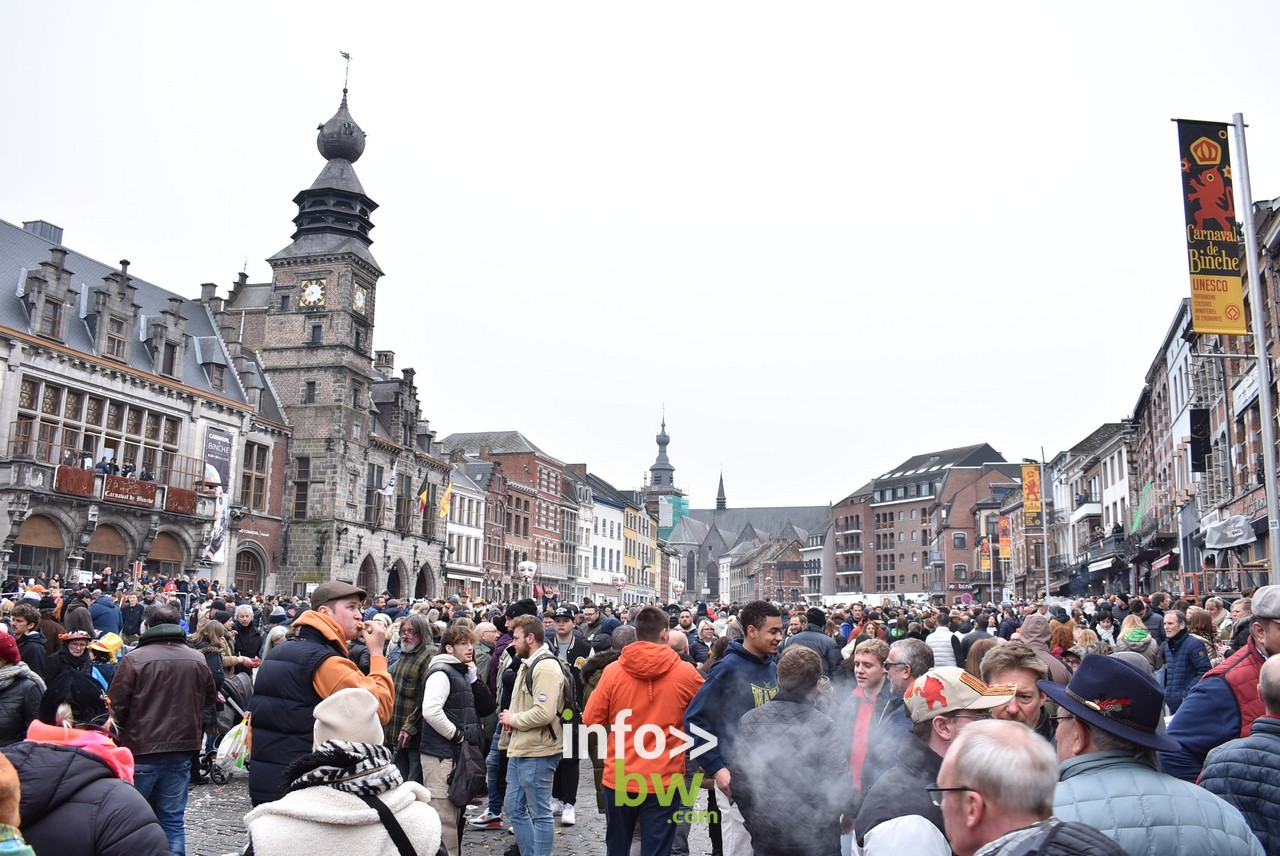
(384, 361)
(124, 267)
(207, 291)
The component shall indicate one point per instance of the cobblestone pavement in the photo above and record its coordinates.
(215, 824)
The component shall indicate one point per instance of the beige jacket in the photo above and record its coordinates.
(535, 720)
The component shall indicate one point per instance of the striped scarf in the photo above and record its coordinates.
(356, 768)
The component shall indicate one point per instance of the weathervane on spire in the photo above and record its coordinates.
(347, 73)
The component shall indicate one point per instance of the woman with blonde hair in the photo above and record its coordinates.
(1134, 637)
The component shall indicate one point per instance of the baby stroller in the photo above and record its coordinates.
(238, 690)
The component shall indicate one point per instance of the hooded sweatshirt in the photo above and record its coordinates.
(740, 681)
(1036, 634)
(655, 685)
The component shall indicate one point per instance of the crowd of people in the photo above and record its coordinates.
(1105, 725)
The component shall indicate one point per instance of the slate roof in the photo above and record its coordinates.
(768, 522)
(688, 531)
(22, 249)
(937, 462)
(499, 442)
(255, 295)
(1097, 439)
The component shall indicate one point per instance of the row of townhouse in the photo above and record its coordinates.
(258, 439)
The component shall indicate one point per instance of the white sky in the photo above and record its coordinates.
(827, 236)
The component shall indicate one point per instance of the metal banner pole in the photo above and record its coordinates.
(1265, 410)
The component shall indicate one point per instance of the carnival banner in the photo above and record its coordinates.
(1213, 252)
(1006, 539)
(1032, 506)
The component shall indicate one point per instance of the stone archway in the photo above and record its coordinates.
(395, 579)
(425, 585)
(368, 576)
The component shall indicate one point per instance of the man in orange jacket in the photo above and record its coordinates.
(642, 698)
(302, 671)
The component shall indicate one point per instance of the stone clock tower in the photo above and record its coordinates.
(316, 345)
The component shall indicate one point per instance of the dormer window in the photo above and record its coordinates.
(217, 376)
(169, 359)
(115, 345)
(51, 318)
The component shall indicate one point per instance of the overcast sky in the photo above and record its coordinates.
(825, 236)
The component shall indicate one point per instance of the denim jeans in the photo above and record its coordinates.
(409, 763)
(529, 803)
(491, 762)
(656, 822)
(165, 787)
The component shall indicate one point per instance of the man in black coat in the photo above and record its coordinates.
(815, 638)
(792, 789)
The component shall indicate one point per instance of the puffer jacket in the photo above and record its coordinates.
(1186, 662)
(1246, 773)
(790, 787)
(1145, 811)
(945, 645)
(76, 801)
(20, 692)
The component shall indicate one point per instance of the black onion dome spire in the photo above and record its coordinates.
(341, 138)
(662, 472)
(336, 205)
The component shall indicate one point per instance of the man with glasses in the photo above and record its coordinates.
(996, 790)
(1224, 703)
(908, 659)
(898, 816)
(1108, 733)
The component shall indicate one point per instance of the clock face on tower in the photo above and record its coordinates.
(361, 299)
(312, 292)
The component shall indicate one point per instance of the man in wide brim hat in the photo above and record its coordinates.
(1108, 731)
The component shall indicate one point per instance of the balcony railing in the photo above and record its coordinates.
(166, 468)
(1082, 499)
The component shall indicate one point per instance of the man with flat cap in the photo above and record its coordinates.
(299, 673)
(1108, 733)
(1224, 703)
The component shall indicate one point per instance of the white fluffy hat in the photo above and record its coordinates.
(351, 715)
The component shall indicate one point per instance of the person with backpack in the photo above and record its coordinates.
(453, 700)
(532, 737)
(573, 651)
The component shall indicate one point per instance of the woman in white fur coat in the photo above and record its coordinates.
(325, 810)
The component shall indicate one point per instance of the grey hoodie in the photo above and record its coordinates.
(1036, 634)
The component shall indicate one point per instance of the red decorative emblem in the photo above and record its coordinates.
(931, 691)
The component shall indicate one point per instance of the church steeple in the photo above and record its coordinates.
(661, 473)
(721, 502)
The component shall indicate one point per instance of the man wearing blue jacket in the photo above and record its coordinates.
(744, 679)
(1225, 702)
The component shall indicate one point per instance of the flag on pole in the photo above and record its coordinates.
(424, 494)
(389, 488)
(445, 499)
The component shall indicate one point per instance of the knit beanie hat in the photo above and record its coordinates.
(351, 715)
(9, 648)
